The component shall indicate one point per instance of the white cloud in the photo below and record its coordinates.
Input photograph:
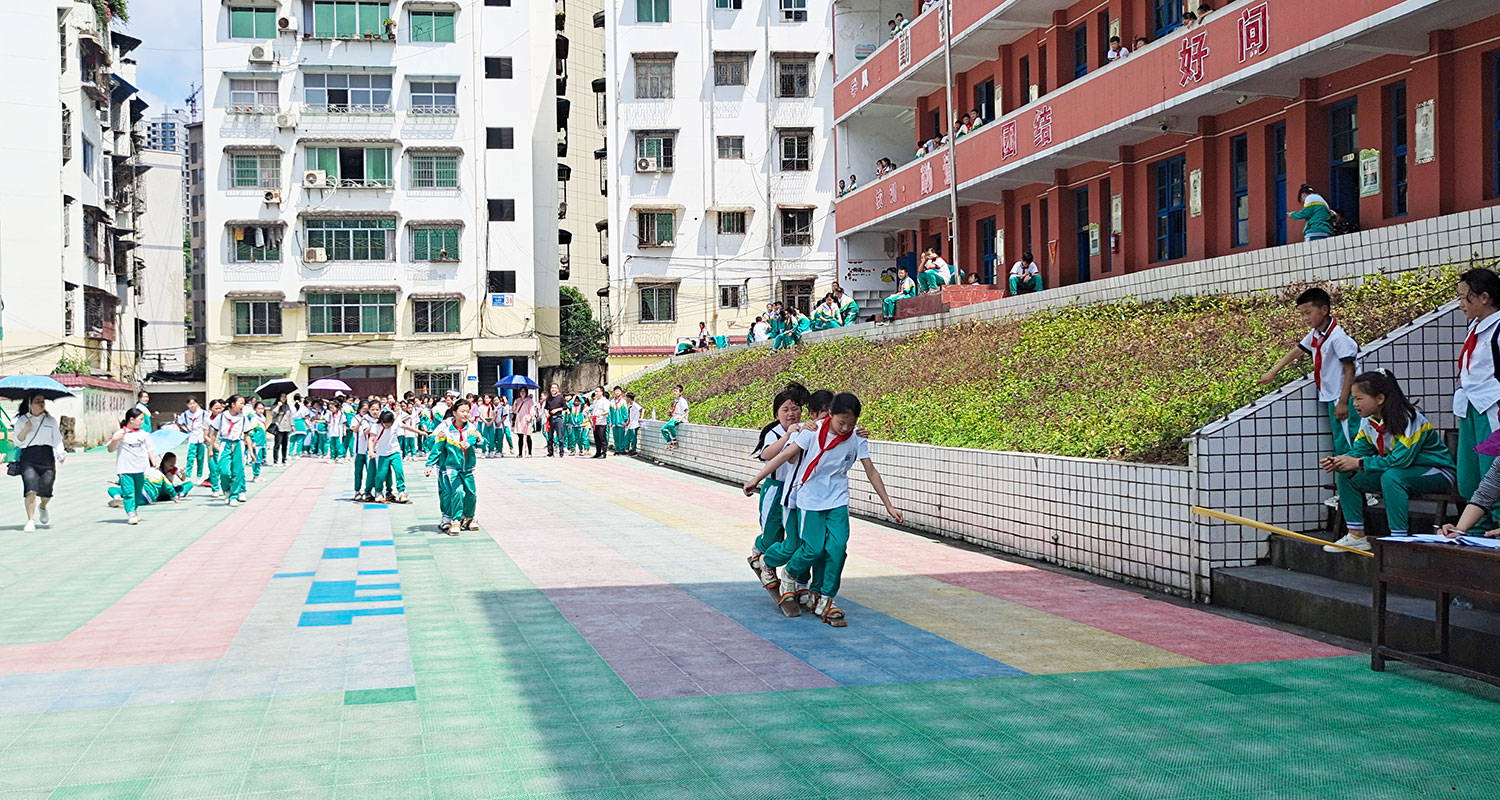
(169, 58)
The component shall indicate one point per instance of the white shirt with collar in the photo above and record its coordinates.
(822, 483)
(1477, 384)
(1339, 348)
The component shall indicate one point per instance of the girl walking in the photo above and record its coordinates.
(281, 427)
(338, 432)
(230, 436)
(361, 431)
(820, 494)
(131, 445)
(192, 422)
(525, 417)
(39, 453)
(385, 449)
(787, 408)
(453, 453)
(255, 428)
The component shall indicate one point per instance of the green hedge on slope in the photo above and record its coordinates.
(1122, 380)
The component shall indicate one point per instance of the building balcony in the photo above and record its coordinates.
(1164, 88)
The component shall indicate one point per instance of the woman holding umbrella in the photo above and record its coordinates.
(526, 411)
(281, 428)
(39, 453)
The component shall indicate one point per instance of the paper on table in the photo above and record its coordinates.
(1480, 541)
(1437, 538)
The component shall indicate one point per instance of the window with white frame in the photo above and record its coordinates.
(434, 171)
(731, 69)
(653, 76)
(356, 239)
(434, 244)
(731, 295)
(434, 316)
(796, 150)
(732, 5)
(351, 312)
(731, 147)
(732, 223)
(257, 318)
(252, 22)
(431, 26)
(88, 158)
(656, 228)
(358, 93)
(796, 227)
(342, 19)
(436, 383)
(653, 148)
(353, 167)
(254, 170)
(793, 76)
(434, 97)
(653, 10)
(658, 303)
(253, 95)
(794, 10)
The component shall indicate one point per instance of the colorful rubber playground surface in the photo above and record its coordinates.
(604, 638)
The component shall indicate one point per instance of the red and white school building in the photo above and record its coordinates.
(1192, 146)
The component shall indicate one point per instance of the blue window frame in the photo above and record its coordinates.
(984, 99)
(1081, 217)
(1278, 180)
(1343, 149)
(1025, 81)
(1080, 51)
(987, 254)
(1166, 15)
(1239, 189)
(1171, 209)
(1026, 230)
(1396, 102)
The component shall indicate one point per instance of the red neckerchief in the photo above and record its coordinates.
(1379, 436)
(1467, 353)
(463, 443)
(1317, 343)
(824, 445)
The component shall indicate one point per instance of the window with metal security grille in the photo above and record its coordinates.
(431, 26)
(498, 67)
(731, 295)
(502, 210)
(501, 281)
(798, 295)
(88, 158)
(653, 77)
(796, 151)
(794, 10)
(1171, 209)
(255, 171)
(731, 147)
(253, 94)
(353, 239)
(434, 316)
(658, 304)
(733, 5)
(351, 312)
(500, 138)
(1396, 99)
(257, 318)
(1239, 190)
(434, 171)
(434, 98)
(353, 167)
(244, 385)
(252, 23)
(348, 20)
(437, 383)
(732, 223)
(70, 291)
(657, 146)
(656, 228)
(794, 77)
(434, 244)
(67, 134)
(731, 69)
(244, 249)
(339, 93)
(796, 227)
(653, 11)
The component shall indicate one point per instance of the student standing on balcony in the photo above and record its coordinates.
(1478, 395)
(1117, 49)
(1334, 354)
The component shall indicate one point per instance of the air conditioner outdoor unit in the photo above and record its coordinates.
(286, 119)
(647, 164)
(315, 255)
(315, 179)
(262, 54)
(287, 24)
(272, 196)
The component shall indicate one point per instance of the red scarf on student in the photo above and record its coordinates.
(1379, 436)
(1467, 353)
(1317, 343)
(826, 442)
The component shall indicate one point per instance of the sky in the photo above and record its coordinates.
(168, 60)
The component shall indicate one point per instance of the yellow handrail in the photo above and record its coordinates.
(1250, 523)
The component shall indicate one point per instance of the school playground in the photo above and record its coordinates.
(604, 638)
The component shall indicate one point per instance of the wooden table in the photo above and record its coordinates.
(1445, 569)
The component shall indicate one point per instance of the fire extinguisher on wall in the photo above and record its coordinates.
(1114, 243)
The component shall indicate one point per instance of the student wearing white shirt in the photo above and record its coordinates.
(1025, 275)
(1476, 402)
(1117, 49)
(230, 434)
(820, 494)
(787, 406)
(599, 415)
(1335, 363)
(142, 402)
(632, 423)
(385, 450)
(361, 449)
(679, 416)
(131, 445)
(39, 449)
(192, 422)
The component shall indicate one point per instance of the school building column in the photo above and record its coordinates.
(1261, 181)
(1203, 230)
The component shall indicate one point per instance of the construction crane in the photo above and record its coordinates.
(192, 101)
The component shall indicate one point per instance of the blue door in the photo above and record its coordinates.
(1171, 209)
(1343, 147)
(1081, 213)
(987, 255)
(1166, 16)
(1278, 180)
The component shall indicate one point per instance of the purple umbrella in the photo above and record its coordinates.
(328, 385)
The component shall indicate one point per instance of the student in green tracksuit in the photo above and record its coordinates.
(142, 401)
(679, 416)
(848, 309)
(361, 450)
(1476, 402)
(320, 430)
(634, 411)
(230, 437)
(787, 406)
(619, 415)
(215, 409)
(1397, 452)
(338, 430)
(255, 427)
(385, 448)
(905, 287)
(454, 444)
(580, 427)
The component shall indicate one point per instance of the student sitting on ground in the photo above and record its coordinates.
(905, 287)
(826, 314)
(1397, 452)
(1025, 275)
(848, 309)
(935, 272)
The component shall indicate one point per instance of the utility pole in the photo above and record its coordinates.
(945, 22)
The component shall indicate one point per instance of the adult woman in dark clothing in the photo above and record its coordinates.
(281, 426)
(40, 450)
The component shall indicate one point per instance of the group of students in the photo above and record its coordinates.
(800, 553)
(783, 325)
(225, 438)
(1379, 441)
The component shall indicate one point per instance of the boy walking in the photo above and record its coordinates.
(1335, 357)
(632, 422)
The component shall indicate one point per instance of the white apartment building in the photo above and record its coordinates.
(161, 298)
(379, 193)
(583, 204)
(74, 219)
(721, 166)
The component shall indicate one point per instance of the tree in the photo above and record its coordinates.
(583, 339)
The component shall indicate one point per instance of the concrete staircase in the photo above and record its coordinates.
(1331, 592)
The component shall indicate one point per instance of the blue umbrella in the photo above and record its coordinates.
(20, 387)
(515, 382)
(166, 439)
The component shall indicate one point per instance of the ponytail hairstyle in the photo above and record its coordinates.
(1483, 281)
(1397, 412)
(794, 392)
(130, 415)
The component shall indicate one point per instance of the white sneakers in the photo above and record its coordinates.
(1349, 540)
(29, 527)
(133, 520)
(233, 502)
(115, 502)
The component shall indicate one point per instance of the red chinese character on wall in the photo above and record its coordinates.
(893, 193)
(1191, 57)
(879, 199)
(853, 87)
(1008, 139)
(926, 175)
(1255, 31)
(1042, 127)
(947, 169)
